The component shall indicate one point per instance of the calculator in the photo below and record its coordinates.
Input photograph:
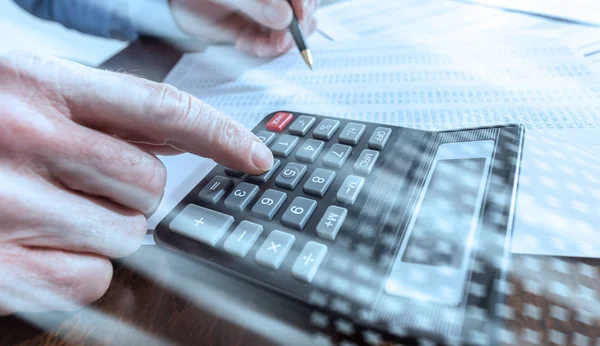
(390, 229)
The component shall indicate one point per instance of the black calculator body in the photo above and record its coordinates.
(395, 230)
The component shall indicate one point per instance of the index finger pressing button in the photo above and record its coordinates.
(201, 224)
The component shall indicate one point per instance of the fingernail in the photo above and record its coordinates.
(261, 156)
(277, 13)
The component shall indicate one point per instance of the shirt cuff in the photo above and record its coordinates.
(154, 18)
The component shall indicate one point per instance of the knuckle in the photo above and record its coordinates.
(19, 122)
(226, 134)
(168, 106)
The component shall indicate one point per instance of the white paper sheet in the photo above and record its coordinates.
(584, 11)
(437, 85)
(391, 19)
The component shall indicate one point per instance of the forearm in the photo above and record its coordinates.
(119, 19)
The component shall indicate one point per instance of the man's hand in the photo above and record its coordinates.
(258, 27)
(78, 174)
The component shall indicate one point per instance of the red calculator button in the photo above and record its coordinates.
(279, 121)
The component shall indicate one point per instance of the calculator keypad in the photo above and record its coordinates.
(284, 145)
(379, 138)
(302, 125)
(331, 222)
(215, 189)
(297, 214)
(326, 129)
(308, 261)
(273, 251)
(268, 204)
(350, 189)
(352, 133)
(266, 137)
(241, 240)
(319, 182)
(310, 156)
(201, 224)
(366, 161)
(241, 196)
(309, 150)
(290, 175)
(337, 156)
(279, 121)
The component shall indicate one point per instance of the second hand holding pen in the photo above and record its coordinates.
(296, 32)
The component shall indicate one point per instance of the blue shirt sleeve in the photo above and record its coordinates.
(104, 18)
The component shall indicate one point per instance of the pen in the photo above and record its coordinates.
(299, 38)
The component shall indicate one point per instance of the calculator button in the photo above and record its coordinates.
(351, 133)
(261, 178)
(242, 238)
(366, 161)
(266, 175)
(319, 181)
(201, 224)
(308, 261)
(284, 145)
(350, 189)
(379, 138)
(290, 175)
(309, 151)
(336, 156)
(331, 222)
(268, 204)
(232, 173)
(326, 129)
(215, 189)
(302, 125)
(241, 196)
(266, 137)
(273, 251)
(279, 121)
(298, 213)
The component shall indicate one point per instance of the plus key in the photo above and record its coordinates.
(279, 121)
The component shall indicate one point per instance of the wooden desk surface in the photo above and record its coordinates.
(550, 300)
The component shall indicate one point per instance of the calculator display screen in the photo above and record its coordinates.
(446, 215)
